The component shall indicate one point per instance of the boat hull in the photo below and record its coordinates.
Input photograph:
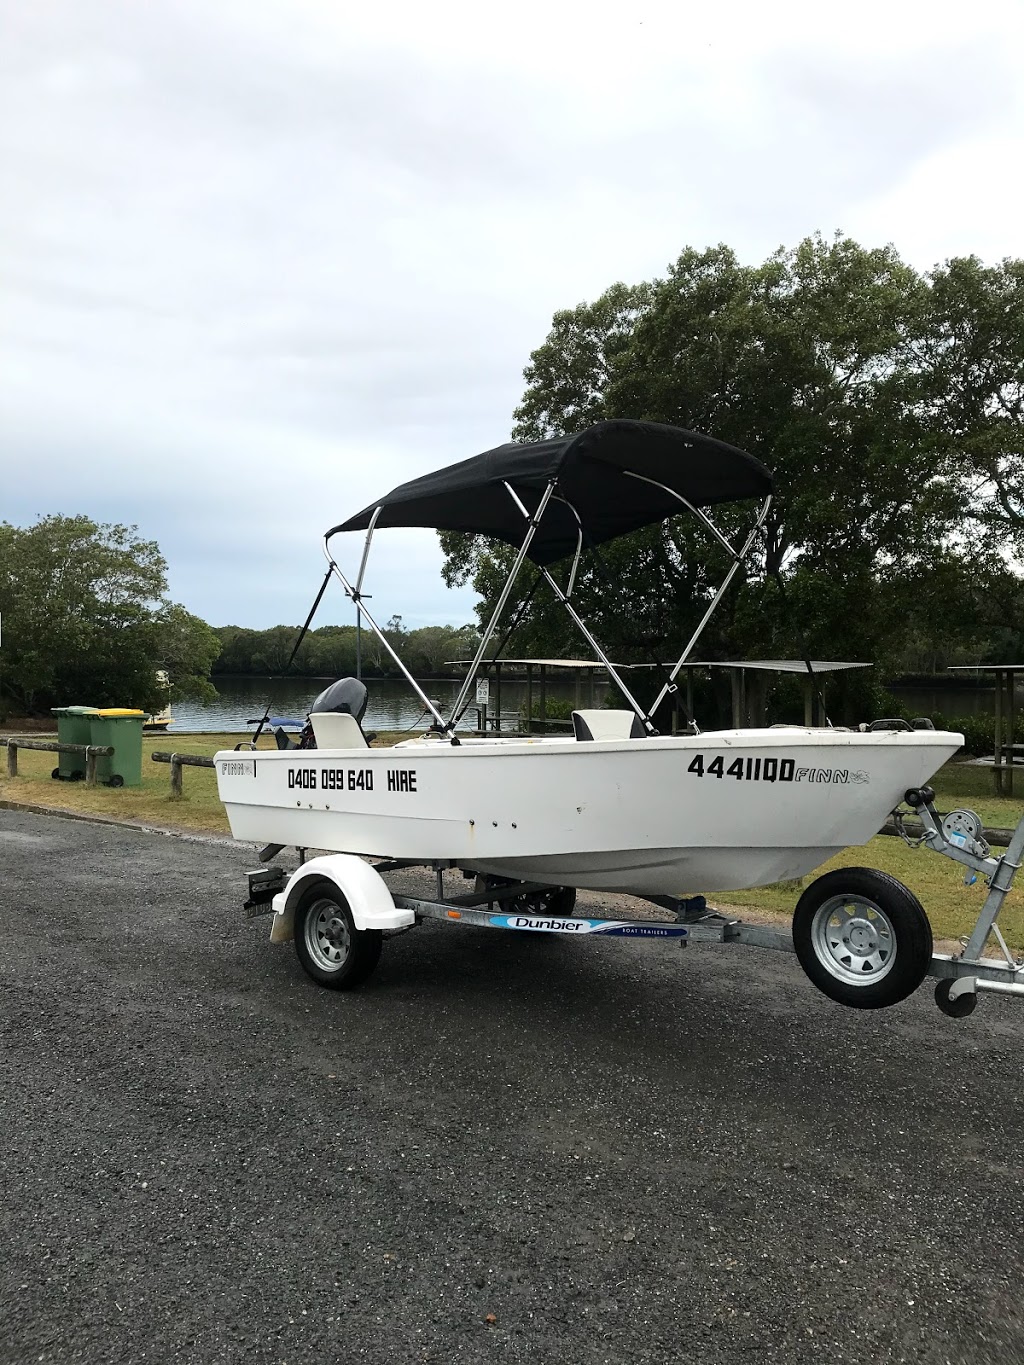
(664, 815)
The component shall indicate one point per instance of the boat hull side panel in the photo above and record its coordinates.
(667, 871)
(663, 816)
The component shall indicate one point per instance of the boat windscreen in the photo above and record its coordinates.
(601, 475)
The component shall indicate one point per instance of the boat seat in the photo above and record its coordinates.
(604, 724)
(337, 730)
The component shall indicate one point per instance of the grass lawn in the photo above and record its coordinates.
(938, 883)
(198, 809)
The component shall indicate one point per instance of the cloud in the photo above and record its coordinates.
(263, 262)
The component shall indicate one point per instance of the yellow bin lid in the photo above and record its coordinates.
(120, 711)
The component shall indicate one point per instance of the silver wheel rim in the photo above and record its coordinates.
(327, 936)
(854, 940)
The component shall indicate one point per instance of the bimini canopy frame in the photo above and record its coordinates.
(549, 498)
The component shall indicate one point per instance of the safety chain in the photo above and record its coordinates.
(910, 840)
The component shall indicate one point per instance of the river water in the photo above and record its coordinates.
(394, 706)
(392, 703)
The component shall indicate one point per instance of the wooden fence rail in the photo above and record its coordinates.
(53, 746)
(179, 761)
(998, 838)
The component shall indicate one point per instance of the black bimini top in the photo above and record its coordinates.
(594, 472)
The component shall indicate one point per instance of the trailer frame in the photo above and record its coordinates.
(509, 905)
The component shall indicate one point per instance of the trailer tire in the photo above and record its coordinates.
(862, 937)
(554, 900)
(327, 943)
(959, 1008)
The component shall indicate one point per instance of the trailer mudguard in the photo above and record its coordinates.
(362, 886)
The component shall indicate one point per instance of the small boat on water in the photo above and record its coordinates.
(158, 722)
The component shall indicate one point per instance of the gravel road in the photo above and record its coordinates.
(503, 1148)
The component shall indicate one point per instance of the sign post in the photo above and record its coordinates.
(483, 696)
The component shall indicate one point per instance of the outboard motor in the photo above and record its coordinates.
(347, 696)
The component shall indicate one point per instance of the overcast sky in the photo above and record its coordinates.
(263, 261)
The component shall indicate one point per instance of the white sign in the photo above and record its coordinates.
(483, 691)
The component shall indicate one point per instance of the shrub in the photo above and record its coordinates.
(978, 731)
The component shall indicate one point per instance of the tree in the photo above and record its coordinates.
(188, 648)
(374, 656)
(273, 650)
(427, 650)
(333, 650)
(968, 377)
(85, 618)
(330, 651)
(237, 646)
(568, 376)
(798, 361)
(822, 361)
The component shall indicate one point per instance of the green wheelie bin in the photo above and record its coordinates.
(73, 727)
(122, 728)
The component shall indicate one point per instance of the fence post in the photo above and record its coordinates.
(176, 788)
(12, 758)
(90, 766)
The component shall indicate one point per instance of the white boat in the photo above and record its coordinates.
(160, 720)
(668, 815)
(617, 806)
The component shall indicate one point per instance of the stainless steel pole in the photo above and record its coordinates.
(485, 639)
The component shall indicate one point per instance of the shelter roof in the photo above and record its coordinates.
(549, 663)
(766, 665)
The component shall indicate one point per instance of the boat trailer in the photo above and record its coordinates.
(861, 936)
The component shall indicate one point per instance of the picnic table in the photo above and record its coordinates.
(1004, 759)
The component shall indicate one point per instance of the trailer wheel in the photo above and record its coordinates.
(862, 937)
(327, 943)
(553, 900)
(559, 901)
(958, 1008)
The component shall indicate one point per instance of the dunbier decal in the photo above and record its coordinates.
(772, 770)
(604, 927)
